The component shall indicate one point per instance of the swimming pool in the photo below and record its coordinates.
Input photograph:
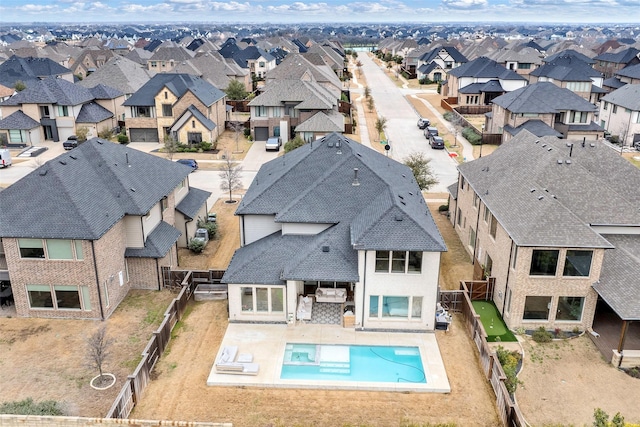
(353, 363)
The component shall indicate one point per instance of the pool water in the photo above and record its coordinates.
(353, 363)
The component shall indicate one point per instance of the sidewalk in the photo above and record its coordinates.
(362, 121)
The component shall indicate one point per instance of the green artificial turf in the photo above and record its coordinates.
(493, 324)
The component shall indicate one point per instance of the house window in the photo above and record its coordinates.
(154, 64)
(144, 111)
(277, 112)
(63, 111)
(247, 299)
(488, 266)
(577, 263)
(614, 109)
(398, 262)
(277, 300)
(459, 217)
(578, 117)
(414, 264)
(472, 238)
(536, 308)
(17, 136)
(508, 304)
(166, 95)
(514, 255)
(164, 203)
(265, 300)
(193, 124)
(79, 253)
(40, 296)
(261, 64)
(416, 308)
(487, 214)
(194, 137)
(605, 106)
(59, 249)
(395, 306)
(476, 200)
(31, 248)
(373, 305)
(261, 111)
(167, 110)
(493, 226)
(462, 183)
(44, 111)
(67, 297)
(262, 299)
(59, 297)
(544, 262)
(48, 132)
(524, 65)
(570, 308)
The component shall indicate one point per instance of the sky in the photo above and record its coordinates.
(329, 11)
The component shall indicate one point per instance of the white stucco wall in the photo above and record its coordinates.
(255, 227)
(303, 228)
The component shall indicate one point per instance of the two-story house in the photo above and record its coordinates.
(184, 106)
(543, 109)
(522, 61)
(479, 81)
(620, 114)
(53, 109)
(556, 224)
(336, 215)
(609, 63)
(31, 69)
(81, 230)
(165, 58)
(435, 63)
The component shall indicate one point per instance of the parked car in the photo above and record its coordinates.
(430, 130)
(436, 142)
(5, 158)
(423, 123)
(189, 162)
(273, 143)
(70, 143)
(202, 235)
(212, 217)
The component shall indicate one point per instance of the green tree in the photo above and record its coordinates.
(171, 145)
(359, 67)
(294, 143)
(19, 86)
(381, 125)
(419, 165)
(236, 90)
(367, 92)
(370, 104)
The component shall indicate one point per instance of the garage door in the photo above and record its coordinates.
(262, 134)
(144, 135)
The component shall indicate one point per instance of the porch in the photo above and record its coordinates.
(609, 333)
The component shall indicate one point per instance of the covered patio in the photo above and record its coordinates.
(612, 332)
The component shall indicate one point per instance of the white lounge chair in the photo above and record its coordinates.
(227, 355)
(305, 306)
(238, 368)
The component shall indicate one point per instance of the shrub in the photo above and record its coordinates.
(443, 208)
(196, 246)
(448, 116)
(123, 139)
(29, 407)
(211, 227)
(205, 146)
(81, 133)
(470, 135)
(541, 335)
(509, 361)
(294, 143)
(105, 133)
(247, 132)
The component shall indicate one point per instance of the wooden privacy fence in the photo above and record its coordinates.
(137, 382)
(508, 410)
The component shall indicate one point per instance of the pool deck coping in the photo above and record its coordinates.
(267, 345)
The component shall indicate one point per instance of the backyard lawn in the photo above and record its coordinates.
(492, 321)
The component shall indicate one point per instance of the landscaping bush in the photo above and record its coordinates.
(470, 135)
(509, 361)
(448, 116)
(211, 227)
(123, 139)
(105, 134)
(205, 146)
(443, 208)
(541, 335)
(29, 407)
(196, 246)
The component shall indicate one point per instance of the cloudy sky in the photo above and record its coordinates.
(329, 11)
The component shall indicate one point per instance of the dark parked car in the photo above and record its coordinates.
(423, 123)
(189, 162)
(71, 142)
(436, 142)
(430, 130)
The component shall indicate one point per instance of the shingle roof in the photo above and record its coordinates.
(82, 193)
(632, 72)
(618, 282)
(385, 211)
(28, 70)
(178, 84)
(454, 53)
(543, 197)
(18, 120)
(571, 54)
(93, 113)
(120, 73)
(536, 127)
(628, 96)
(320, 122)
(483, 67)
(543, 98)
(613, 82)
(157, 244)
(192, 202)
(101, 91)
(621, 57)
(566, 68)
(193, 111)
(51, 91)
(251, 52)
(310, 95)
(490, 86)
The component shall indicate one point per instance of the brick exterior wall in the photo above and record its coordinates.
(109, 255)
(520, 283)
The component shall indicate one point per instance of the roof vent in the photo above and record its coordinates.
(568, 161)
(325, 249)
(537, 141)
(560, 161)
(133, 190)
(544, 145)
(99, 141)
(592, 145)
(62, 162)
(549, 149)
(355, 182)
(398, 218)
(532, 190)
(43, 171)
(540, 197)
(330, 144)
(73, 157)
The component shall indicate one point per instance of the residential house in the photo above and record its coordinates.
(256, 60)
(479, 81)
(522, 61)
(30, 70)
(56, 109)
(215, 69)
(89, 61)
(555, 224)
(286, 104)
(119, 73)
(186, 107)
(571, 72)
(620, 114)
(543, 109)
(166, 57)
(336, 215)
(609, 63)
(435, 64)
(91, 224)
(308, 66)
(629, 75)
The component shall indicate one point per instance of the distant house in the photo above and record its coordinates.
(522, 61)
(376, 248)
(165, 58)
(609, 63)
(620, 114)
(186, 107)
(555, 224)
(479, 81)
(543, 109)
(91, 224)
(29, 70)
(89, 61)
(435, 64)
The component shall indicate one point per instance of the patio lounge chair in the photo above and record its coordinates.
(227, 355)
(238, 368)
(305, 306)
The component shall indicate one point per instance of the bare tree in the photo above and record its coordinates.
(171, 145)
(98, 349)
(230, 175)
(237, 128)
(359, 67)
(370, 104)
(381, 125)
(367, 92)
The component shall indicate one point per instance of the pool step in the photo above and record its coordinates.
(345, 371)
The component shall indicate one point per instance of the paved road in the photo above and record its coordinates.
(402, 131)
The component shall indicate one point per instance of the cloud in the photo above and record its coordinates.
(232, 6)
(465, 4)
(37, 8)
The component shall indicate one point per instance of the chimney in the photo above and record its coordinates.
(355, 182)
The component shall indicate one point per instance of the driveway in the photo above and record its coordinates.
(402, 130)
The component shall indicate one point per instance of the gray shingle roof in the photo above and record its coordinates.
(314, 184)
(102, 91)
(484, 67)
(310, 95)
(566, 68)
(628, 96)
(209, 124)
(631, 72)
(543, 98)
(82, 193)
(18, 120)
(536, 127)
(542, 202)
(51, 91)
(192, 202)
(178, 84)
(622, 57)
(320, 122)
(571, 54)
(29, 70)
(618, 282)
(158, 242)
(93, 113)
(120, 73)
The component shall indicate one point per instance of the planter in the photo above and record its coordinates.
(103, 382)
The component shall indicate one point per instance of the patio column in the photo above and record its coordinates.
(623, 335)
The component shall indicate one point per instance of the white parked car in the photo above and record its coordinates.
(273, 143)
